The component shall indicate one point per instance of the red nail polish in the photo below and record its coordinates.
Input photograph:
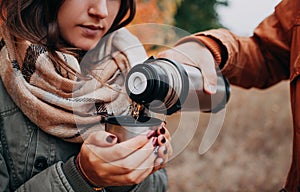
(155, 151)
(162, 130)
(110, 138)
(163, 140)
(154, 141)
(165, 151)
(151, 134)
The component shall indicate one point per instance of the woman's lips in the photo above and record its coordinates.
(91, 30)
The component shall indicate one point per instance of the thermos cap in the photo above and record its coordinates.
(137, 83)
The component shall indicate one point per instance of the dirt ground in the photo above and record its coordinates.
(252, 151)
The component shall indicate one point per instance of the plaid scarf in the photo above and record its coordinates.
(60, 103)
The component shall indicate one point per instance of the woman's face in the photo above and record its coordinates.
(83, 23)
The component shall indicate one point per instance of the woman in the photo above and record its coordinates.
(51, 138)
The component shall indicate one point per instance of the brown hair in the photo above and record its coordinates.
(36, 21)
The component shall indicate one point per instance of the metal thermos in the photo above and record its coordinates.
(165, 86)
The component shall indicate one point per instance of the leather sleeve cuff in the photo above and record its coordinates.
(75, 179)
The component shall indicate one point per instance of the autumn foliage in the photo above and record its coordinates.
(156, 11)
(182, 17)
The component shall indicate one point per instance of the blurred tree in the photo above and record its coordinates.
(156, 11)
(198, 15)
(189, 15)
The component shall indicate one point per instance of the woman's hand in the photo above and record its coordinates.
(104, 162)
(164, 149)
(195, 54)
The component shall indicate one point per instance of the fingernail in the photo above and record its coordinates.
(161, 130)
(154, 141)
(110, 138)
(155, 151)
(165, 151)
(163, 140)
(159, 162)
(212, 88)
(151, 133)
(162, 162)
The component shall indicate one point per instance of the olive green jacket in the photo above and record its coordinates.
(31, 160)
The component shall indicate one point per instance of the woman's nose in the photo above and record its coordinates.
(98, 9)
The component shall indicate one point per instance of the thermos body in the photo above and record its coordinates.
(197, 98)
(165, 86)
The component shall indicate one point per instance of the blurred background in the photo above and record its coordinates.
(253, 149)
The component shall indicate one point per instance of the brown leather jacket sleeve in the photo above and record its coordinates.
(260, 60)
